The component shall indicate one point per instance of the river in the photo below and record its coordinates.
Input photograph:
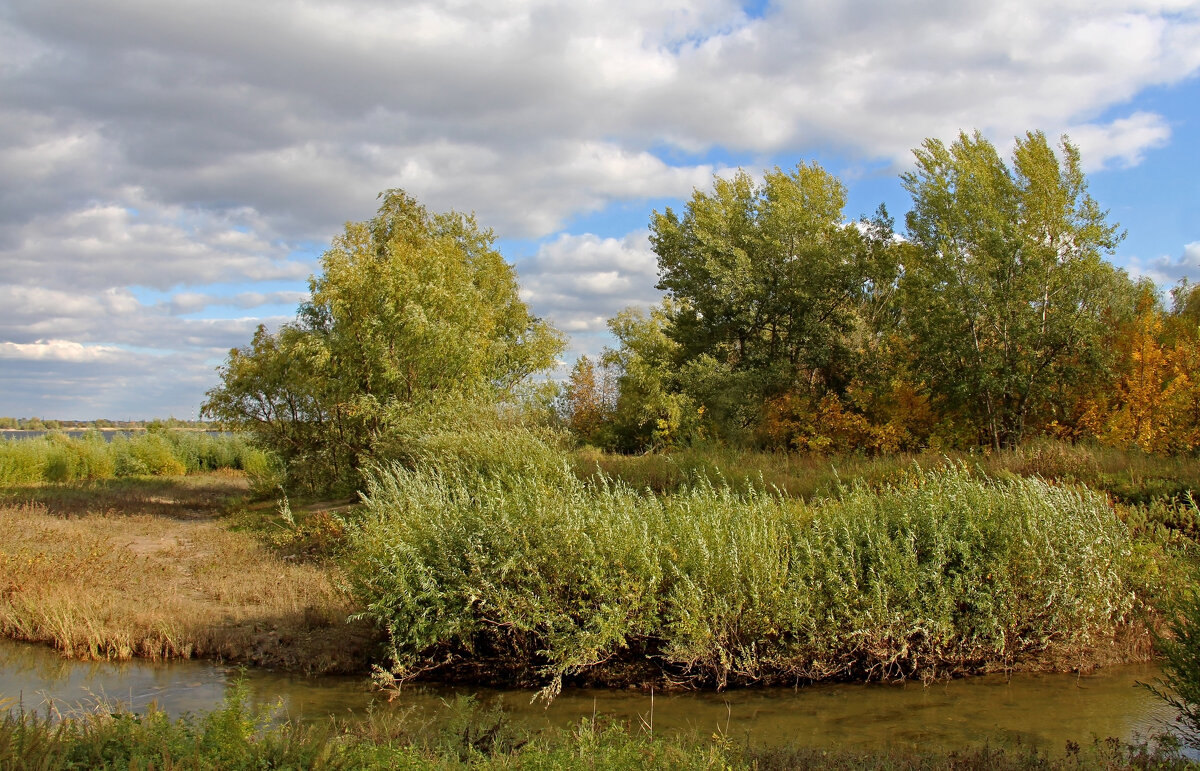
(1044, 710)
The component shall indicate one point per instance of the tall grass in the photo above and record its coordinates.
(542, 572)
(1129, 476)
(57, 458)
(142, 568)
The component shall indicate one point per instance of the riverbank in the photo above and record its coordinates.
(529, 575)
(151, 568)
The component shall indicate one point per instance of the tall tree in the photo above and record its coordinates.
(1006, 295)
(409, 307)
(764, 280)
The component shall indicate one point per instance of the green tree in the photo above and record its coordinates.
(766, 279)
(1007, 294)
(651, 410)
(409, 308)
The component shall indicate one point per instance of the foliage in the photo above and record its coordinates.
(1007, 296)
(650, 409)
(764, 282)
(409, 307)
(554, 576)
(589, 399)
(1179, 647)
(1155, 404)
(57, 458)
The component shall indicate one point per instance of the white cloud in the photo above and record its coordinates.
(185, 146)
(136, 242)
(1167, 270)
(1125, 140)
(61, 350)
(579, 282)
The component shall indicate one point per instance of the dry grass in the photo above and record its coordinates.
(147, 569)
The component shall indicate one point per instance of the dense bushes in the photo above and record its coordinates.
(60, 458)
(553, 576)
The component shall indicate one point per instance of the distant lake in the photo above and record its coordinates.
(76, 433)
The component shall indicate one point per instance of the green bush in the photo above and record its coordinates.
(22, 461)
(58, 458)
(1179, 647)
(1180, 651)
(556, 576)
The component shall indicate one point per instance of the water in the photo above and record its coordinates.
(72, 433)
(1045, 710)
(77, 433)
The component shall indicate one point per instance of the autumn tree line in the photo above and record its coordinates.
(994, 317)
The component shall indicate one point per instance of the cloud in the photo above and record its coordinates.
(206, 150)
(62, 351)
(135, 242)
(579, 282)
(117, 318)
(58, 379)
(530, 113)
(1124, 141)
(1167, 270)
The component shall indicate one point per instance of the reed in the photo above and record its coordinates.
(1129, 476)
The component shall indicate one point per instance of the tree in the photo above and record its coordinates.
(588, 400)
(409, 307)
(651, 409)
(1007, 293)
(764, 279)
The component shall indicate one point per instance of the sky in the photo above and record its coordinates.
(170, 172)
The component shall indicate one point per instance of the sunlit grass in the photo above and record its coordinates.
(143, 568)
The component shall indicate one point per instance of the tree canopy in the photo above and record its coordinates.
(764, 281)
(996, 317)
(409, 308)
(1007, 295)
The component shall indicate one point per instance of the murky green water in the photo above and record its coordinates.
(1042, 709)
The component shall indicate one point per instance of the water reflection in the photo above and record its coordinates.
(1045, 710)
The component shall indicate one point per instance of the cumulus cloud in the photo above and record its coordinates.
(1123, 141)
(579, 282)
(1167, 270)
(135, 242)
(530, 112)
(116, 317)
(61, 350)
(55, 380)
(177, 147)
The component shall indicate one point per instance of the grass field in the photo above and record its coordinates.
(148, 567)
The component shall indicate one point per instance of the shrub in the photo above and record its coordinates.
(58, 458)
(555, 576)
(1180, 650)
